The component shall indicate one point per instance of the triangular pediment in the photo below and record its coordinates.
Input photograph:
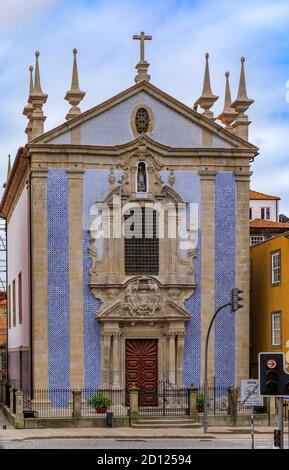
(175, 125)
(116, 312)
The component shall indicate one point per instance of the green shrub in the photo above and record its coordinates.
(200, 399)
(100, 401)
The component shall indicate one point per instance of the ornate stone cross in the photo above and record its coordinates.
(142, 37)
(143, 65)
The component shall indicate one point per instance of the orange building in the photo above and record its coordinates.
(269, 310)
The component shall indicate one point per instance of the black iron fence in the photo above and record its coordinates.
(116, 402)
(7, 395)
(44, 403)
(164, 399)
(219, 401)
(286, 410)
(62, 403)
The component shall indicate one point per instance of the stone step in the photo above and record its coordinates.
(162, 420)
(166, 425)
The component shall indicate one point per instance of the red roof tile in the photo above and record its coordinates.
(262, 196)
(260, 223)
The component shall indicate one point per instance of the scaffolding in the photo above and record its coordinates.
(2, 255)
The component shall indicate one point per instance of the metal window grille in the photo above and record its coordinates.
(141, 242)
(142, 120)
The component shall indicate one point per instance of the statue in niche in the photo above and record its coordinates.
(141, 178)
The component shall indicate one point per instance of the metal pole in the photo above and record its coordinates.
(206, 367)
(252, 427)
(288, 422)
(280, 421)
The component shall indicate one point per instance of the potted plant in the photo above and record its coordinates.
(100, 402)
(200, 403)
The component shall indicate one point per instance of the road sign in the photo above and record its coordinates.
(250, 393)
(271, 364)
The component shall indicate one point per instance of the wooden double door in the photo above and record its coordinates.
(142, 369)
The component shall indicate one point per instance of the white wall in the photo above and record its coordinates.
(18, 261)
(257, 205)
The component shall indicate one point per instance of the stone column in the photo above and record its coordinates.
(193, 403)
(207, 221)
(19, 416)
(76, 413)
(75, 241)
(133, 401)
(39, 273)
(172, 357)
(180, 358)
(115, 360)
(233, 404)
(242, 272)
(105, 358)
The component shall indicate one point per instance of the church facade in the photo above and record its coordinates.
(90, 303)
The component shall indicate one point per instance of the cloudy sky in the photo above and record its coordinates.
(183, 31)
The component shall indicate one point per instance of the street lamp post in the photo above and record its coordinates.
(234, 304)
(206, 367)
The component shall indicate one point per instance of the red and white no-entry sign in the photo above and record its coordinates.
(271, 364)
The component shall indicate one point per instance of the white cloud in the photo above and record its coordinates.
(14, 12)
(182, 33)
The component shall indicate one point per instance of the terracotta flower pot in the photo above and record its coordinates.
(200, 409)
(102, 409)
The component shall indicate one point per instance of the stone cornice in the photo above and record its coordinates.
(82, 150)
(189, 113)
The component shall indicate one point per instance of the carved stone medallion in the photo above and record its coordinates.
(142, 297)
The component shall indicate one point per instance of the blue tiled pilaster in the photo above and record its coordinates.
(58, 280)
(225, 275)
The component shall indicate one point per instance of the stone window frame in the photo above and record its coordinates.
(147, 177)
(275, 314)
(151, 119)
(275, 283)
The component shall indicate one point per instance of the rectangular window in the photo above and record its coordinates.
(256, 239)
(9, 307)
(250, 213)
(276, 329)
(265, 213)
(14, 302)
(2, 360)
(141, 242)
(276, 267)
(20, 298)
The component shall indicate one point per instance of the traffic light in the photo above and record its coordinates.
(236, 298)
(277, 439)
(274, 380)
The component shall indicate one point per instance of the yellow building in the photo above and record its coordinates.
(269, 298)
